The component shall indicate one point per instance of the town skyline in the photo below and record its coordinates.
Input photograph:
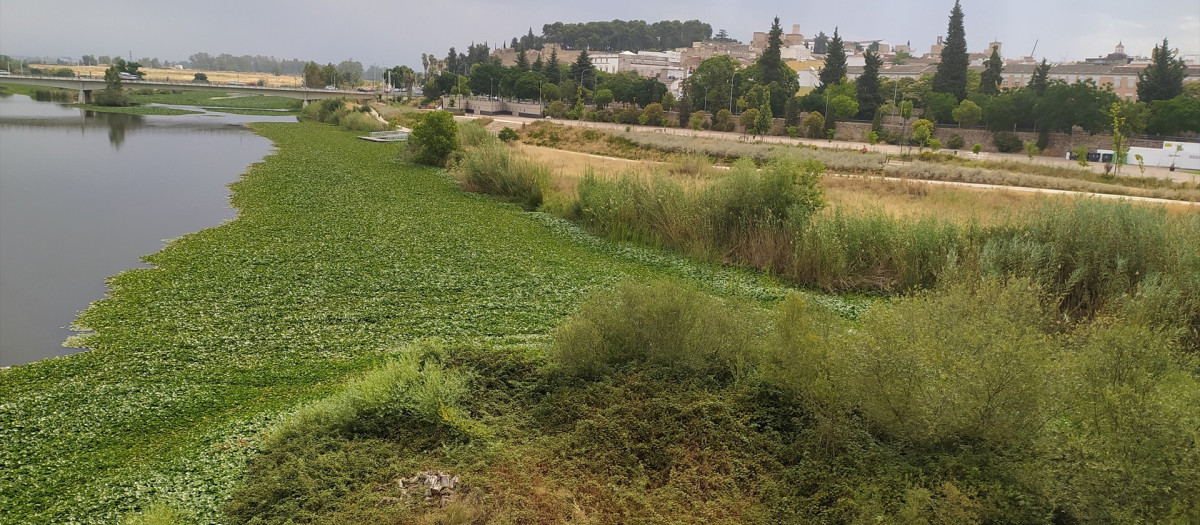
(393, 35)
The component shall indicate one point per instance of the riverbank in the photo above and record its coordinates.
(339, 255)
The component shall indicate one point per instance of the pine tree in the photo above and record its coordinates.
(537, 64)
(835, 63)
(869, 98)
(522, 60)
(764, 121)
(552, 71)
(583, 72)
(1163, 78)
(951, 76)
(989, 81)
(770, 62)
(1040, 79)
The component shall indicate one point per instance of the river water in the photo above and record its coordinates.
(84, 195)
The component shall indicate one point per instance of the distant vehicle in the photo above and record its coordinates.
(235, 83)
(331, 88)
(4, 72)
(129, 76)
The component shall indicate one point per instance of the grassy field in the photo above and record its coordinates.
(339, 256)
(640, 145)
(186, 75)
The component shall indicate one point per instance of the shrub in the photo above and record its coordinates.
(557, 109)
(652, 115)
(1007, 142)
(723, 120)
(200, 78)
(493, 168)
(814, 125)
(434, 139)
(960, 364)
(746, 119)
(508, 135)
(662, 328)
(697, 120)
(629, 115)
(410, 392)
(935, 144)
(955, 141)
(977, 148)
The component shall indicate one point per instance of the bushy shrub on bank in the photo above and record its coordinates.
(964, 404)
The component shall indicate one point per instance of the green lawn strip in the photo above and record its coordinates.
(339, 253)
(214, 99)
(20, 89)
(254, 112)
(136, 110)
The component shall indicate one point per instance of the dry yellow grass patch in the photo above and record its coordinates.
(186, 75)
(568, 167)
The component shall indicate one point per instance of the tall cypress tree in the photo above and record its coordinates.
(1040, 79)
(537, 64)
(867, 87)
(835, 63)
(770, 63)
(951, 76)
(1163, 78)
(522, 60)
(552, 71)
(989, 81)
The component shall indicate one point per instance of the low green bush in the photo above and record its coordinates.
(491, 167)
(1007, 142)
(660, 328)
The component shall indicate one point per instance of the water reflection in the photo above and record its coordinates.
(82, 197)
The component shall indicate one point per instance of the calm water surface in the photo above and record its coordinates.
(83, 197)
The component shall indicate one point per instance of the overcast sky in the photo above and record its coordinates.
(388, 33)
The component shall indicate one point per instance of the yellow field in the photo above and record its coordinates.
(900, 198)
(186, 75)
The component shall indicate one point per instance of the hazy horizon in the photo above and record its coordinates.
(387, 34)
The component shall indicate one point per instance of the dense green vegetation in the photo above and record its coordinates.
(659, 404)
(339, 255)
(136, 110)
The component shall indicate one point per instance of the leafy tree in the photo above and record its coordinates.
(113, 94)
(1174, 116)
(1079, 104)
(723, 120)
(329, 74)
(697, 119)
(200, 78)
(922, 131)
(433, 139)
(527, 86)
(764, 120)
(939, 107)
(747, 118)
(968, 113)
(813, 124)
(1163, 78)
(668, 101)
(951, 76)
(1040, 79)
(550, 92)
(834, 70)
(842, 107)
(713, 82)
(867, 84)
(990, 80)
(603, 98)
(653, 115)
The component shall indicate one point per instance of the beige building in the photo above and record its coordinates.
(759, 41)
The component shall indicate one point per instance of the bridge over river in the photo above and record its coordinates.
(85, 86)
